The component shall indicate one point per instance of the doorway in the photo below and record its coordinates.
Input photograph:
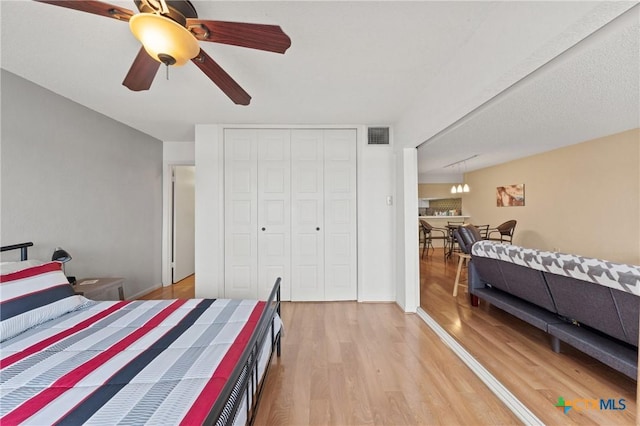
(182, 222)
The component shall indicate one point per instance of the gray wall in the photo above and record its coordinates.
(74, 178)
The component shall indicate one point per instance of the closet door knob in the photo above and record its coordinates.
(318, 228)
(264, 229)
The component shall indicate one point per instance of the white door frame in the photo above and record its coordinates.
(167, 217)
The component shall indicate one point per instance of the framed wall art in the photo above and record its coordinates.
(510, 195)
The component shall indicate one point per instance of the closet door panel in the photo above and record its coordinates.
(340, 214)
(274, 211)
(241, 208)
(307, 214)
(290, 212)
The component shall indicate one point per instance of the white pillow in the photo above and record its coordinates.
(9, 267)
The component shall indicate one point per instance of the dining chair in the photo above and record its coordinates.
(505, 231)
(483, 230)
(451, 227)
(431, 233)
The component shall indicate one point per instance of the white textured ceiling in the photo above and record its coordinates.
(417, 66)
(591, 90)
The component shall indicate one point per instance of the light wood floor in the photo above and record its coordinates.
(352, 363)
(184, 289)
(520, 355)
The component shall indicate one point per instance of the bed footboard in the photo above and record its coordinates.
(245, 378)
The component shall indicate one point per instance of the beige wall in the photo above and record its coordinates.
(582, 199)
(435, 190)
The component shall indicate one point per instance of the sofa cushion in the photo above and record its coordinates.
(587, 303)
(629, 310)
(489, 272)
(528, 284)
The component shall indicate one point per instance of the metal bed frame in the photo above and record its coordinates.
(21, 246)
(245, 380)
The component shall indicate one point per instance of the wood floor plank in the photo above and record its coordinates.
(348, 363)
(184, 289)
(520, 355)
(391, 370)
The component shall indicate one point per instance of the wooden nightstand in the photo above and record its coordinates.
(100, 288)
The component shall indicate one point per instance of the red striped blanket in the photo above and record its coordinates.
(142, 362)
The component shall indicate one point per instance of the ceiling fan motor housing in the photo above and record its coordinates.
(179, 11)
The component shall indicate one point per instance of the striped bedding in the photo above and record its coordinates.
(129, 362)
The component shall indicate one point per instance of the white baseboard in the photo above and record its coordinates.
(143, 292)
(509, 399)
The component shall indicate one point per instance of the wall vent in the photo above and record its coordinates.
(378, 136)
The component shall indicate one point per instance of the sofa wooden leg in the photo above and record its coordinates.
(474, 300)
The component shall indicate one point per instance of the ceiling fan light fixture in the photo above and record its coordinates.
(163, 39)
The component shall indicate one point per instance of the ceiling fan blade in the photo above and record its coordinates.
(142, 72)
(95, 7)
(220, 77)
(255, 36)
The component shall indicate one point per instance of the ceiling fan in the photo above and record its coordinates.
(169, 32)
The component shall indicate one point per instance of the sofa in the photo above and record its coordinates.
(590, 304)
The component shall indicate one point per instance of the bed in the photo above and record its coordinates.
(65, 359)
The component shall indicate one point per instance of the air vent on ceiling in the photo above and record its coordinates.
(378, 136)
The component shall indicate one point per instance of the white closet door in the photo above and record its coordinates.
(340, 273)
(274, 211)
(307, 225)
(240, 186)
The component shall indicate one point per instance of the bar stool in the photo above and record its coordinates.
(462, 259)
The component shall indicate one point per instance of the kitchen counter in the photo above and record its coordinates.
(444, 217)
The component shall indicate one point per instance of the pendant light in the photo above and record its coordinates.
(465, 188)
(460, 188)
